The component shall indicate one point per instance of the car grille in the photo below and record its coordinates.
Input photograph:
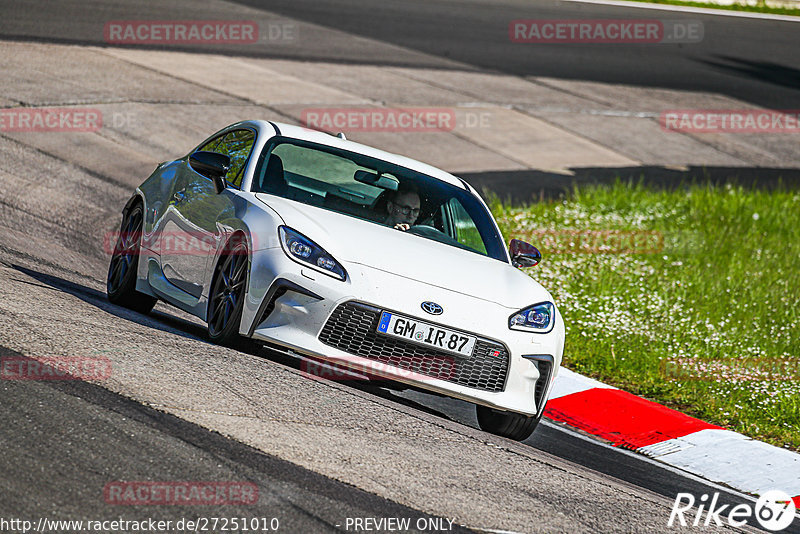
(352, 329)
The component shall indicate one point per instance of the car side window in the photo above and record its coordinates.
(237, 145)
(211, 145)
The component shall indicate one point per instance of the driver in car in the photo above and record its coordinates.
(402, 207)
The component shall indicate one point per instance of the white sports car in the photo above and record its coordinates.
(332, 250)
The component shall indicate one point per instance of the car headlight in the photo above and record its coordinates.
(538, 318)
(303, 250)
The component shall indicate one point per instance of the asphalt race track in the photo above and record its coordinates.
(753, 60)
(177, 408)
(730, 60)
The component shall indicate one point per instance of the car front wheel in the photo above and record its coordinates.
(121, 279)
(507, 424)
(226, 299)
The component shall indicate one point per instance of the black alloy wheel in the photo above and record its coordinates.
(121, 279)
(226, 299)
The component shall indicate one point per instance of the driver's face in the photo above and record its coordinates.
(404, 209)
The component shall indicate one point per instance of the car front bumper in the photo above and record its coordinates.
(290, 305)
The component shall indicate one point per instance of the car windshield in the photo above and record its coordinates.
(377, 191)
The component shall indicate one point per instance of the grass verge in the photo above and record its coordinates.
(689, 297)
(772, 10)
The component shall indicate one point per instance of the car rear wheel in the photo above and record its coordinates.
(507, 424)
(226, 299)
(121, 279)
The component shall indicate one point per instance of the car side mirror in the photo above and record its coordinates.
(524, 254)
(211, 165)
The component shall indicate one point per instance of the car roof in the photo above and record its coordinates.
(316, 136)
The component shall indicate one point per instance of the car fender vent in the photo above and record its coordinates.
(278, 288)
(545, 364)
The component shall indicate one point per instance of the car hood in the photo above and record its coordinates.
(353, 240)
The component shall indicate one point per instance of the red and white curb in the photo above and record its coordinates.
(671, 437)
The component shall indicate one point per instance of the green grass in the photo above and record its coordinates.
(707, 322)
(735, 7)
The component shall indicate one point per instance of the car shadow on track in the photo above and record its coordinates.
(156, 319)
(165, 322)
(758, 70)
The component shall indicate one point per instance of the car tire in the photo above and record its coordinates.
(121, 278)
(226, 298)
(507, 424)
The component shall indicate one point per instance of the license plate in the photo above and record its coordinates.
(426, 334)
